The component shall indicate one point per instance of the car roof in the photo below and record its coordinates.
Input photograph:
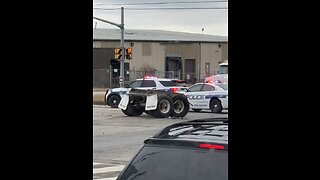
(159, 79)
(211, 130)
(210, 84)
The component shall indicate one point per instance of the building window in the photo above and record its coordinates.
(146, 49)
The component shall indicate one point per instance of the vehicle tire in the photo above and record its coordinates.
(132, 111)
(196, 110)
(180, 106)
(114, 101)
(164, 107)
(215, 106)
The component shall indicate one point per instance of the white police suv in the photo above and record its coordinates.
(113, 96)
(213, 96)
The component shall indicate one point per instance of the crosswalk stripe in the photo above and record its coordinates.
(108, 169)
(110, 178)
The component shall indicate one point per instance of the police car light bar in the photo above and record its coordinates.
(150, 77)
(212, 80)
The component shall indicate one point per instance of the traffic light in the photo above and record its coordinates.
(129, 53)
(117, 53)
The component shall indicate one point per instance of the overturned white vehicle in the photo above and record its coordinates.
(157, 103)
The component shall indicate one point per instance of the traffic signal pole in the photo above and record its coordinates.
(121, 77)
(121, 26)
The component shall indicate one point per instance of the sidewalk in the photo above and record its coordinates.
(98, 95)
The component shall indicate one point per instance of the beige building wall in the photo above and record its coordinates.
(156, 54)
(185, 50)
(210, 53)
(152, 55)
(154, 58)
(106, 44)
(224, 48)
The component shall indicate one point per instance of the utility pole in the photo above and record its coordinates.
(121, 26)
(121, 77)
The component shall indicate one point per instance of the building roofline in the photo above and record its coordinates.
(155, 36)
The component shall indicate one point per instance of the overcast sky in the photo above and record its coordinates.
(214, 21)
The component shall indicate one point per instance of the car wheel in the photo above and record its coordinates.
(114, 101)
(132, 111)
(164, 107)
(196, 110)
(215, 106)
(180, 106)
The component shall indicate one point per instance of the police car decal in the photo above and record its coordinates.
(217, 96)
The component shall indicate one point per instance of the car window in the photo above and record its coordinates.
(135, 84)
(207, 87)
(167, 83)
(172, 163)
(223, 86)
(195, 88)
(148, 83)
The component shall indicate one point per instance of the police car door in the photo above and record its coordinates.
(196, 97)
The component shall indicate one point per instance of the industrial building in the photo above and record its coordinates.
(187, 56)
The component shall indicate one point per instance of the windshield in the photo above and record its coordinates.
(223, 69)
(135, 84)
(185, 163)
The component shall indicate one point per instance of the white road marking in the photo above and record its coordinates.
(111, 178)
(108, 169)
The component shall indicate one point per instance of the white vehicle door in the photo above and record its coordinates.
(222, 89)
(196, 97)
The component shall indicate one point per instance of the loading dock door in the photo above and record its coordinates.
(173, 67)
(190, 70)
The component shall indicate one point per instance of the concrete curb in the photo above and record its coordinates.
(98, 97)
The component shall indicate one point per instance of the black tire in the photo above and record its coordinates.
(180, 106)
(114, 101)
(164, 107)
(132, 111)
(215, 106)
(196, 110)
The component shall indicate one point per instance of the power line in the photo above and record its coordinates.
(177, 8)
(178, 2)
(168, 8)
(106, 9)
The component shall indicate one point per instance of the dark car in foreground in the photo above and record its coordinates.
(189, 150)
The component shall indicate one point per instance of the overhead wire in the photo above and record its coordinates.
(168, 2)
(164, 8)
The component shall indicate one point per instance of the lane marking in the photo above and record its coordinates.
(108, 169)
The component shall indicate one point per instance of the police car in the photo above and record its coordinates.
(208, 95)
(113, 96)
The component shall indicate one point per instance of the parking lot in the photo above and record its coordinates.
(118, 137)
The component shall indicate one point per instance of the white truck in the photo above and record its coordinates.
(222, 74)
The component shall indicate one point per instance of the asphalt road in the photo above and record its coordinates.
(117, 137)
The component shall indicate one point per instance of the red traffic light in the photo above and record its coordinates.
(129, 53)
